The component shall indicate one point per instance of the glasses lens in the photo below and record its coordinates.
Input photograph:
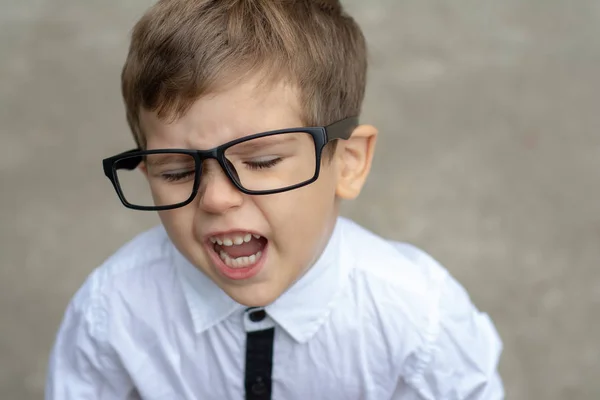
(273, 162)
(169, 181)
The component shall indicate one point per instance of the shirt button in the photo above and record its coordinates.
(259, 386)
(257, 316)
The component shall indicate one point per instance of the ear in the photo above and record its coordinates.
(354, 157)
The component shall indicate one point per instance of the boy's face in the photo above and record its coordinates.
(286, 232)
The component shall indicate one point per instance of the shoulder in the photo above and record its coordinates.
(125, 281)
(404, 272)
(148, 247)
(443, 344)
(101, 325)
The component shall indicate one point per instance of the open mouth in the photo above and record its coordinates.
(239, 250)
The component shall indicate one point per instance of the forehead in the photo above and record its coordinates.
(224, 115)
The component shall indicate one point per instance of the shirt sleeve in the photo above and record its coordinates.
(461, 350)
(82, 365)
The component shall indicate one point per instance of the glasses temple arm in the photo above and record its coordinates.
(342, 129)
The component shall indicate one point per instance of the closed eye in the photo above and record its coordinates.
(178, 176)
(257, 165)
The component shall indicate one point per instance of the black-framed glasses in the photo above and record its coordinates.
(259, 164)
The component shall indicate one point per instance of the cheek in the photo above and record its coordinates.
(179, 223)
(309, 201)
(301, 213)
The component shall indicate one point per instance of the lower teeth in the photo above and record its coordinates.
(239, 262)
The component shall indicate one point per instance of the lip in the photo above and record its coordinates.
(235, 274)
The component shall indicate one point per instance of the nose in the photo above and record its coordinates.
(217, 193)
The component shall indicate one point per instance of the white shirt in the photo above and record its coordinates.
(371, 320)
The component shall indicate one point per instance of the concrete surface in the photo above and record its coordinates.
(489, 159)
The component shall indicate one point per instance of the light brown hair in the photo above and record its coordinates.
(183, 49)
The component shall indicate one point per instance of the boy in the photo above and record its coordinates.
(253, 287)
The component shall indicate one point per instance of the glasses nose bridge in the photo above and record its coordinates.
(216, 154)
(211, 154)
(204, 155)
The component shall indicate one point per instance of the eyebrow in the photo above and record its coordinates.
(265, 141)
(167, 159)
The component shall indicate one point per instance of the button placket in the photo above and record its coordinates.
(259, 354)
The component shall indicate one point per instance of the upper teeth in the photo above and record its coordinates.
(231, 240)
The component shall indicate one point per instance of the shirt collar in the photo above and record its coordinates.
(208, 304)
(300, 311)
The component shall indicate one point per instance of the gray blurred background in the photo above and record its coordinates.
(489, 159)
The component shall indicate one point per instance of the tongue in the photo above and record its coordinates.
(244, 249)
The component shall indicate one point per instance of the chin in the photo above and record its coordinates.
(254, 296)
